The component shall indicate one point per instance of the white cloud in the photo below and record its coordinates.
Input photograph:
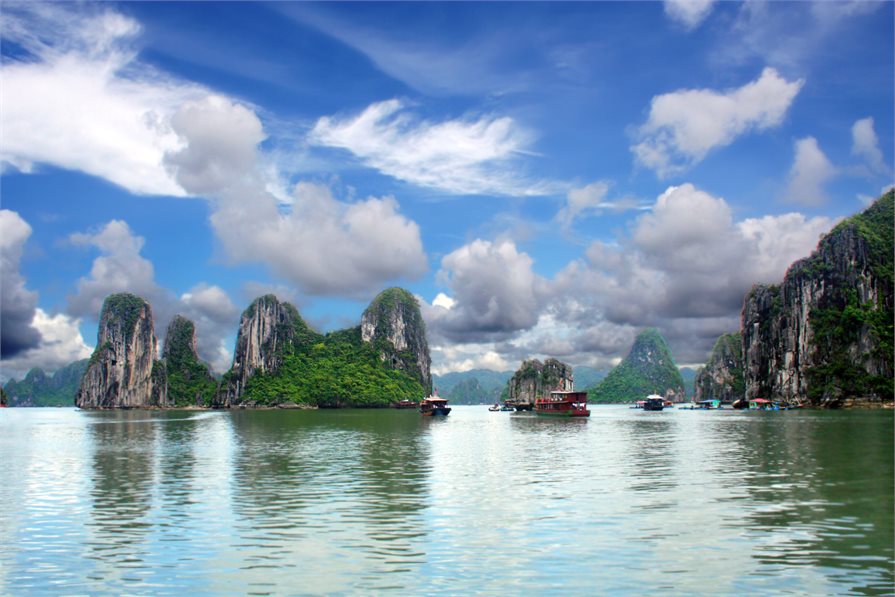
(81, 101)
(216, 318)
(17, 303)
(464, 156)
(685, 125)
(61, 344)
(809, 173)
(685, 275)
(119, 268)
(494, 293)
(320, 244)
(323, 245)
(689, 13)
(220, 140)
(865, 144)
(591, 200)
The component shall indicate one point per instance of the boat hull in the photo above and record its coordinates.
(437, 412)
(565, 414)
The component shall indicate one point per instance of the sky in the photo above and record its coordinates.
(547, 178)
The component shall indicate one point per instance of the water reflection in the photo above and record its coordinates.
(122, 473)
(822, 496)
(315, 487)
(371, 501)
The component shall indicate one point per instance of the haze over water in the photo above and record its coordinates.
(164, 502)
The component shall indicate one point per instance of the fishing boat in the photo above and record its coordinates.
(506, 408)
(563, 403)
(406, 404)
(434, 406)
(494, 408)
(653, 402)
(763, 404)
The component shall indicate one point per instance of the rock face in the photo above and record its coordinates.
(40, 389)
(648, 369)
(120, 372)
(394, 326)
(825, 334)
(535, 380)
(268, 330)
(189, 380)
(722, 377)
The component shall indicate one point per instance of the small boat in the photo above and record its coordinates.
(494, 408)
(703, 405)
(638, 404)
(506, 408)
(762, 404)
(563, 403)
(653, 402)
(434, 406)
(406, 404)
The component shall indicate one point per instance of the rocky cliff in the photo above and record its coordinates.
(535, 380)
(825, 334)
(648, 369)
(41, 389)
(268, 331)
(722, 376)
(188, 379)
(394, 326)
(120, 371)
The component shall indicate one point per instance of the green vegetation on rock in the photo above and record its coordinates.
(648, 369)
(125, 307)
(841, 319)
(40, 389)
(339, 370)
(190, 382)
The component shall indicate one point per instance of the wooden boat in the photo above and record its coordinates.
(494, 408)
(653, 402)
(434, 406)
(506, 408)
(563, 403)
(762, 404)
(406, 404)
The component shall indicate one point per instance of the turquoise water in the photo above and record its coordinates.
(349, 501)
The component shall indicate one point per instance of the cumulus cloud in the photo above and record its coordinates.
(689, 13)
(216, 318)
(494, 293)
(464, 156)
(17, 303)
(61, 344)
(79, 99)
(685, 125)
(321, 244)
(865, 145)
(119, 268)
(809, 173)
(685, 275)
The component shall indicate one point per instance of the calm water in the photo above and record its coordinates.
(376, 501)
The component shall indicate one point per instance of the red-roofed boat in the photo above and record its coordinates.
(563, 403)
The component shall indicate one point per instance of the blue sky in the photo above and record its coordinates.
(547, 178)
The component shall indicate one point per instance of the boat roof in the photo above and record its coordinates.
(760, 400)
(654, 397)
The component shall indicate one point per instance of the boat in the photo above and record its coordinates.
(506, 408)
(563, 403)
(653, 402)
(703, 405)
(406, 404)
(494, 408)
(763, 404)
(638, 404)
(434, 406)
